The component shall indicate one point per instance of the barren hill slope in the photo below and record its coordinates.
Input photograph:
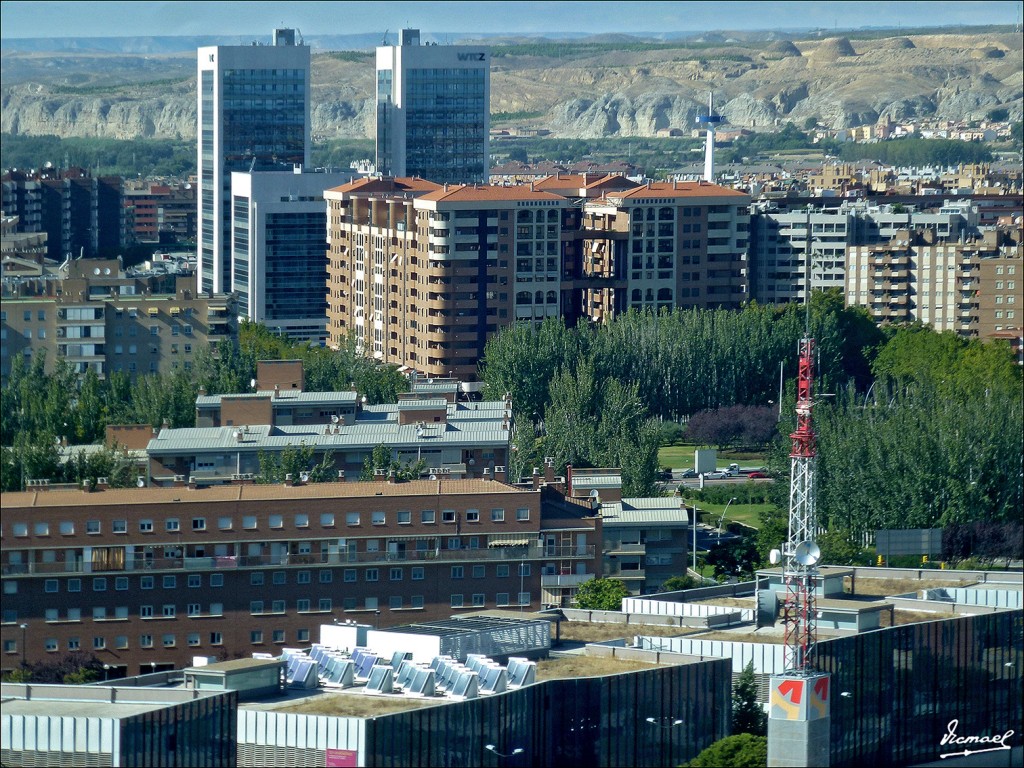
(577, 89)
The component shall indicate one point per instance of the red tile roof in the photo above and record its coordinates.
(469, 193)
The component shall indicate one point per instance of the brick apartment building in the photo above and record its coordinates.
(425, 274)
(148, 578)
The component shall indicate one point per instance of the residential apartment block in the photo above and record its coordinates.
(253, 115)
(149, 578)
(278, 220)
(161, 213)
(82, 215)
(645, 541)
(433, 110)
(972, 288)
(95, 315)
(425, 274)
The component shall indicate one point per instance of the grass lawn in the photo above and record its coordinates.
(748, 514)
(681, 457)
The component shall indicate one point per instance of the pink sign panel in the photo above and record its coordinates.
(342, 758)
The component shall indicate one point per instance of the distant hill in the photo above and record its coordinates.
(576, 87)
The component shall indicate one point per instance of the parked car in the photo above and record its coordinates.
(732, 471)
(687, 473)
(756, 475)
(717, 475)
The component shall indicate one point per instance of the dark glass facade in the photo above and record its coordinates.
(591, 722)
(906, 684)
(295, 265)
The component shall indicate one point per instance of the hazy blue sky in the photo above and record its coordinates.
(90, 19)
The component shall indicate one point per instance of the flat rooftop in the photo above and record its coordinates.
(77, 708)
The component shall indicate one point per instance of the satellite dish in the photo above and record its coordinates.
(774, 556)
(140, 483)
(334, 419)
(807, 553)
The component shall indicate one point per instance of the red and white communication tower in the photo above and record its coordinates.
(800, 553)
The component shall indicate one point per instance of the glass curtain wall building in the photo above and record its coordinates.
(253, 115)
(433, 107)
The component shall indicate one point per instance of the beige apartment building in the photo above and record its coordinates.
(972, 288)
(424, 274)
(95, 315)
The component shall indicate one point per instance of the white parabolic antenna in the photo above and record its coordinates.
(774, 556)
(807, 553)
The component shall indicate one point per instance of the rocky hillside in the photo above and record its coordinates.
(580, 91)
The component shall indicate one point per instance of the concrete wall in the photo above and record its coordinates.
(768, 658)
(279, 738)
(653, 607)
(619, 617)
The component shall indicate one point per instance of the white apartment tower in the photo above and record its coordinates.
(433, 110)
(253, 112)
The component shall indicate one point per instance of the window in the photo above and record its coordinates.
(417, 573)
(395, 574)
(121, 642)
(478, 600)
(256, 579)
(145, 641)
(524, 569)
(216, 638)
(416, 601)
(121, 612)
(277, 606)
(216, 579)
(349, 604)
(99, 613)
(92, 526)
(303, 577)
(50, 585)
(447, 515)
(172, 525)
(302, 521)
(74, 585)
(20, 529)
(193, 639)
(372, 574)
(327, 519)
(170, 582)
(67, 528)
(472, 515)
(302, 635)
(502, 571)
(278, 635)
(497, 515)
(351, 518)
(280, 577)
(74, 644)
(195, 580)
(404, 517)
(145, 526)
(99, 585)
(302, 605)
(216, 609)
(350, 575)
(50, 644)
(501, 598)
(276, 521)
(457, 571)
(41, 529)
(121, 526)
(194, 609)
(326, 576)
(255, 607)
(324, 604)
(169, 611)
(146, 611)
(121, 583)
(523, 513)
(456, 601)
(427, 516)
(249, 522)
(147, 582)
(479, 571)
(168, 641)
(199, 524)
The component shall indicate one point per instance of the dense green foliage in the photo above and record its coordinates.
(742, 750)
(149, 157)
(912, 151)
(747, 715)
(601, 595)
(38, 409)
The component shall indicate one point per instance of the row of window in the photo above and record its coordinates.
(169, 640)
(250, 522)
(99, 583)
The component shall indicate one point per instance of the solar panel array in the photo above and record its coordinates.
(443, 676)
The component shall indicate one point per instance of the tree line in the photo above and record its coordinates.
(39, 409)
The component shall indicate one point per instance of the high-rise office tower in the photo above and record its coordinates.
(433, 110)
(253, 116)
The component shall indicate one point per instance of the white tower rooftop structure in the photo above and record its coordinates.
(710, 120)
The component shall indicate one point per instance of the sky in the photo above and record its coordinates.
(114, 19)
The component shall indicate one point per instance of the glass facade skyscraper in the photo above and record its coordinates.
(253, 116)
(433, 105)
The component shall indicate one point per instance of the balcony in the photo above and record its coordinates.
(565, 581)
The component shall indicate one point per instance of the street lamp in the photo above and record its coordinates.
(494, 749)
(722, 518)
(106, 672)
(376, 619)
(24, 629)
